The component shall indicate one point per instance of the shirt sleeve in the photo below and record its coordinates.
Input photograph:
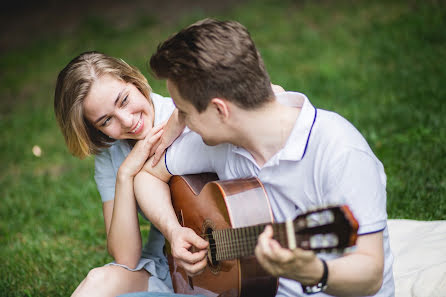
(104, 175)
(189, 155)
(163, 108)
(358, 180)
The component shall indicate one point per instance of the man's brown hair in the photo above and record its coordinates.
(212, 58)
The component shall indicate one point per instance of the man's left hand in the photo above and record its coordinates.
(297, 264)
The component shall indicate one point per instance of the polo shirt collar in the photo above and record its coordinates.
(297, 143)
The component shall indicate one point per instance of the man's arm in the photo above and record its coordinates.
(153, 196)
(356, 177)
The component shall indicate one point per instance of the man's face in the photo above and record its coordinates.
(206, 123)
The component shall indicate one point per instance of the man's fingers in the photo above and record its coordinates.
(193, 258)
(199, 242)
(189, 250)
(304, 255)
(193, 262)
(192, 238)
(194, 269)
(263, 241)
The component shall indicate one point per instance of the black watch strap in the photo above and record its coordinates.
(321, 285)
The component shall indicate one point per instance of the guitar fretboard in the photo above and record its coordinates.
(235, 243)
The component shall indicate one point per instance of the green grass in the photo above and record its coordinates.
(380, 64)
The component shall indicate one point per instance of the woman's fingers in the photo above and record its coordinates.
(155, 146)
(159, 151)
(141, 151)
(154, 131)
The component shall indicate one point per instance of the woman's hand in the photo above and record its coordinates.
(173, 128)
(140, 153)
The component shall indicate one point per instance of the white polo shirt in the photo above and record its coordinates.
(325, 161)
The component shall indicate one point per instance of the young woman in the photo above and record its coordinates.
(106, 108)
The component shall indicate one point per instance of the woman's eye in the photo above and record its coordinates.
(105, 123)
(124, 101)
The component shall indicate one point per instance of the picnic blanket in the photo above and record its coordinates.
(419, 248)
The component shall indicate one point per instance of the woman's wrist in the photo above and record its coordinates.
(124, 174)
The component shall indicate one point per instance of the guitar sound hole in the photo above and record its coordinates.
(214, 265)
(212, 255)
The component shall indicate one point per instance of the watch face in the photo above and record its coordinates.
(314, 289)
(321, 286)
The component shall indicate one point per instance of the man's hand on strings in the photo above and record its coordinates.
(189, 250)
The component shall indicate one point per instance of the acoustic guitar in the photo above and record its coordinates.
(231, 215)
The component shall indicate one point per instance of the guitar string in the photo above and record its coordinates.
(237, 245)
(275, 229)
(230, 251)
(224, 253)
(234, 244)
(278, 233)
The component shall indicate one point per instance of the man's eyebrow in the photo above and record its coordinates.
(116, 102)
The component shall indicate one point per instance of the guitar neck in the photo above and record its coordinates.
(329, 229)
(228, 244)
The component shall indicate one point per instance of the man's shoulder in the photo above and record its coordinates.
(334, 137)
(331, 126)
(188, 154)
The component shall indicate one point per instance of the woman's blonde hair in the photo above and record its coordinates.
(73, 85)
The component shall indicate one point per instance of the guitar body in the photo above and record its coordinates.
(204, 204)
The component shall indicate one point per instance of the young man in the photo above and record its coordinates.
(305, 158)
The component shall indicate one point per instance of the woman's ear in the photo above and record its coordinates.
(221, 106)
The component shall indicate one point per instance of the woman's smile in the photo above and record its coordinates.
(139, 126)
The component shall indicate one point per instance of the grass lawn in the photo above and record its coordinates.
(380, 64)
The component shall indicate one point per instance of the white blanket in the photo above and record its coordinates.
(419, 248)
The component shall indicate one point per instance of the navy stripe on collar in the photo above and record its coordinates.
(165, 161)
(309, 134)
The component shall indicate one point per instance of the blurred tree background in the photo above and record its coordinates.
(381, 64)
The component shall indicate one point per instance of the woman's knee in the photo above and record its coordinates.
(112, 280)
(100, 275)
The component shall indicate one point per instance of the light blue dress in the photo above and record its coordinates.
(107, 164)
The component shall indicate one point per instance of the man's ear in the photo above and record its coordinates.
(221, 106)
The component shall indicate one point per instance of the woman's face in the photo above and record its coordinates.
(118, 109)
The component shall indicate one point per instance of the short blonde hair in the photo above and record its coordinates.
(73, 85)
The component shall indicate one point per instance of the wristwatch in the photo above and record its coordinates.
(321, 285)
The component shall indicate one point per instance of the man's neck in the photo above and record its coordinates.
(265, 131)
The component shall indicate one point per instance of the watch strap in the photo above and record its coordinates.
(321, 285)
